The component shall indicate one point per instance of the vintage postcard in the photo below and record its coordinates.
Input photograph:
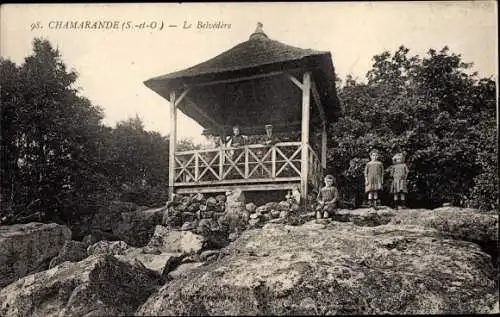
(318, 158)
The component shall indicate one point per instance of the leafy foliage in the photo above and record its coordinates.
(59, 162)
(431, 109)
(48, 132)
(137, 163)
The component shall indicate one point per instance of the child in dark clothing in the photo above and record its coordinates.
(327, 198)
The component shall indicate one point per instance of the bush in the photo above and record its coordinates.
(433, 110)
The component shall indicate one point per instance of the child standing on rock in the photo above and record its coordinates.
(399, 172)
(374, 178)
(327, 198)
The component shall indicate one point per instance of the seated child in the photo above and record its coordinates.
(327, 198)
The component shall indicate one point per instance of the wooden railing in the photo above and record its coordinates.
(315, 175)
(248, 164)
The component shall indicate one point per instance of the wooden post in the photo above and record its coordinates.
(324, 141)
(196, 166)
(222, 153)
(304, 164)
(171, 148)
(273, 159)
(247, 170)
(222, 158)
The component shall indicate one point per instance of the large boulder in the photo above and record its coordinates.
(127, 222)
(107, 247)
(107, 217)
(97, 286)
(250, 207)
(209, 255)
(172, 218)
(137, 227)
(188, 216)
(204, 226)
(284, 206)
(335, 268)
(72, 251)
(90, 239)
(175, 241)
(263, 209)
(194, 207)
(366, 216)
(237, 215)
(161, 264)
(199, 197)
(235, 197)
(28, 248)
(96, 235)
(459, 223)
(184, 270)
(189, 225)
(221, 198)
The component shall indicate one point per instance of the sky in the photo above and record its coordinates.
(113, 63)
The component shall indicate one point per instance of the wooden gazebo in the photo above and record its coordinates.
(257, 82)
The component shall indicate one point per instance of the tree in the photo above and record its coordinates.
(59, 162)
(50, 136)
(430, 108)
(10, 107)
(136, 162)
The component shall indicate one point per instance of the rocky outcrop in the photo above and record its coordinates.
(218, 218)
(366, 216)
(209, 255)
(137, 227)
(335, 268)
(187, 211)
(236, 217)
(175, 241)
(107, 217)
(361, 261)
(90, 239)
(458, 223)
(28, 248)
(108, 247)
(126, 222)
(161, 264)
(453, 222)
(72, 251)
(283, 212)
(183, 270)
(157, 260)
(97, 286)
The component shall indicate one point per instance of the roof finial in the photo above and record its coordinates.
(258, 31)
(259, 28)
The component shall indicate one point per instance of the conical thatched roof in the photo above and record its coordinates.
(252, 102)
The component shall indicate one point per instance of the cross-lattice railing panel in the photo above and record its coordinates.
(251, 162)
